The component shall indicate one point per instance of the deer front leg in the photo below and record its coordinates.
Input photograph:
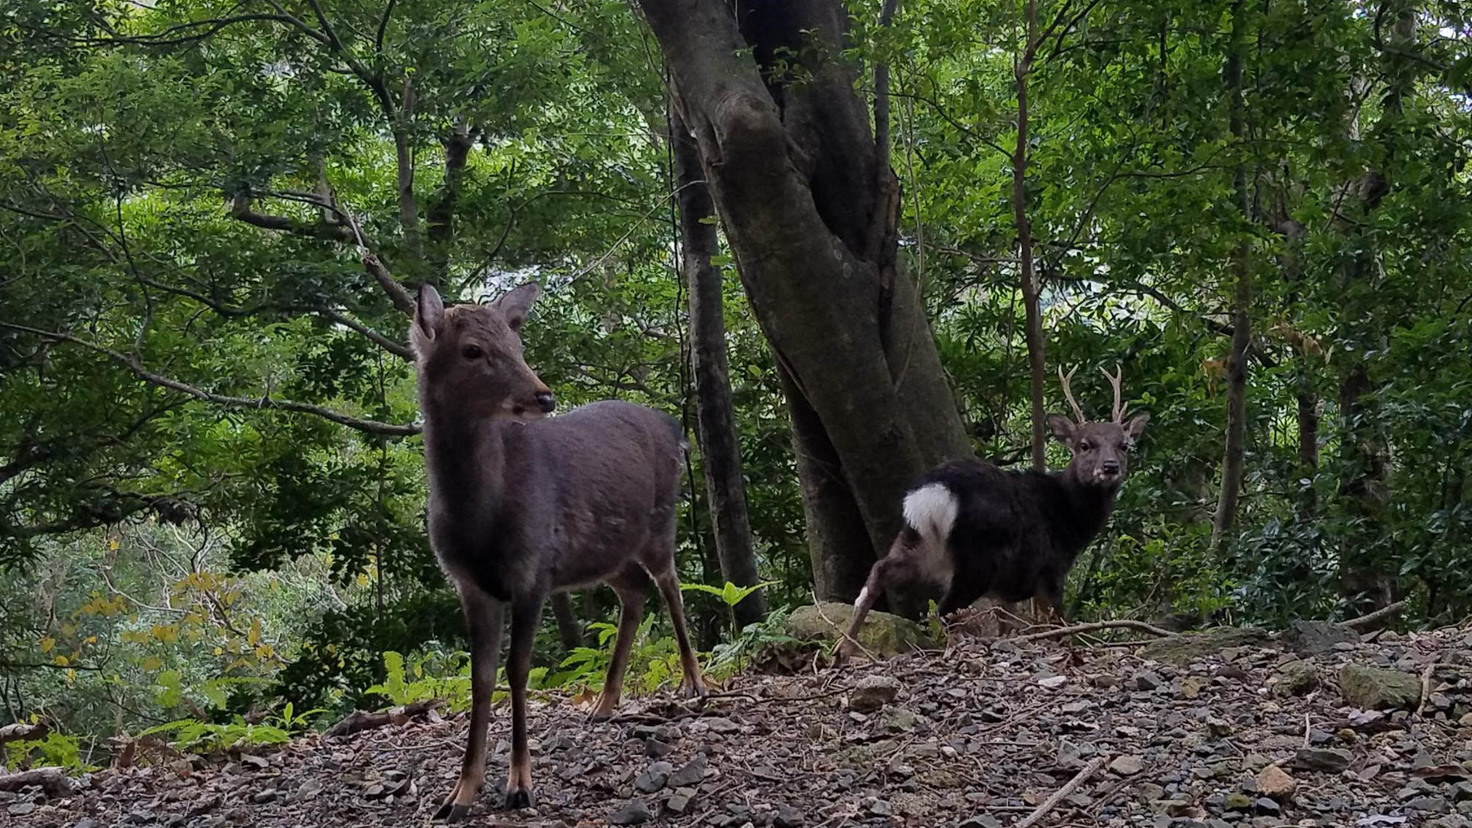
(483, 617)
(669, 589)
(526, 615)
(632, 586)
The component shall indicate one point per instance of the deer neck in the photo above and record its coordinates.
(1086, 509)
(465, 459)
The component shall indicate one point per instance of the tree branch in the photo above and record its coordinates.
(225, 401)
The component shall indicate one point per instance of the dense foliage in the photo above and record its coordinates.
(211, 498)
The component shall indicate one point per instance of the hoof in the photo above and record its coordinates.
(697, 691)
(516, 800)
(450, 812)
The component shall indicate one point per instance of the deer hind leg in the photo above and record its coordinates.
(669, 588)
(484, 617)
(898, 568)
(632, 586)
(526, 616)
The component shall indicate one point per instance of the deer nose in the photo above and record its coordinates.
(1109, 467)
(546, 402)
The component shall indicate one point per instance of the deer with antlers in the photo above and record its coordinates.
(978, 531)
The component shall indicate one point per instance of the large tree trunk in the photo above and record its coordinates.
(795, 178)
(715, 415)
(1232, 454)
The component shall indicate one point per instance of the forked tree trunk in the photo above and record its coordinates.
(1232, 454)
(794, 175)
(715, 415)
(1036, 358)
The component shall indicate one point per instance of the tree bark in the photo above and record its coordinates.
(1367, 578)
(1036, 358)
(793, 174)
(1232, 454)
(720, 450)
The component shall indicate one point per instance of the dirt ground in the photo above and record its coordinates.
(1230, 729)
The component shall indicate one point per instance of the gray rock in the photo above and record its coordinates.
(1145, 680)
(1296, 678)
(654, 777)
(262, 797)
(21, 808)
(633, 813)
(1327, 760)
(882, 634)
(1127, 765)
(1313, 638)
(1376, 688)
(655, 749)
(1429, 804)
(872, 693)
(788, 817)
(900, 720)
(690, 774)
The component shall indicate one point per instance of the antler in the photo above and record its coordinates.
(1062, 380)
(1114, 380)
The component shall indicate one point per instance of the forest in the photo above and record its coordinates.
(840, 241)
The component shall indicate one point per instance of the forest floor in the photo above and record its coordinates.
(1233, 728)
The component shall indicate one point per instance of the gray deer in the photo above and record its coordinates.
(521, 506)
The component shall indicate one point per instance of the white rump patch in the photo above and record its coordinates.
(931, 510)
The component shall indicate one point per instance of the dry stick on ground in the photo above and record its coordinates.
(359, 720)
(1425, 688)
(26, 732)
(842, 631)
(1069, 787)
(53, 781)
(1366, 620)
(1127, 624)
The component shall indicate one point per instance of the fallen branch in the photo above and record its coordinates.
(1367, 620)
(1425, 688)
(1123, 624)
(1072, 785)
(53, 781)
(360, 720)
(23, 732)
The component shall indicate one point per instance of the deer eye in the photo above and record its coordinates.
(472, 352)
(1085, 446)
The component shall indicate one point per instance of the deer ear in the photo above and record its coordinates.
(429, 318)
(515, 303)
(1062, 427)
(1136, 425)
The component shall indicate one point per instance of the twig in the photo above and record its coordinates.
(1367, 620)
(842, 632)
(1097, 625)
(1072, 785)
(1425, 688)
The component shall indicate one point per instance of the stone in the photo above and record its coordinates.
(900, 720)
(1263, 805)
(983, 821)
(1296, 678)
(882, 635)
(655, 749)
(633, 813)
(1313, 638)
(1127, 765)
(788, 817)
(262, 797)
(872, 693)
(1145, 680)
(690, 774)
(1188, 647)
(1237, 802)
(679, 804)
(1327, 760)
(1274, 782)
(1053, 682)
(1378, 688)
(1429, 804)
(21, 808)
(654, 777)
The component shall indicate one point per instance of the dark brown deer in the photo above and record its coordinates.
(976, 530)
(520, 507)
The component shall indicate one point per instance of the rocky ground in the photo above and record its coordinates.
(1228, 728)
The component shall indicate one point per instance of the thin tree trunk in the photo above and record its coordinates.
(1232, 455)
(1366, 574)
(1036, 359)
(1308, 441)
(720, 450)
(793, 172)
